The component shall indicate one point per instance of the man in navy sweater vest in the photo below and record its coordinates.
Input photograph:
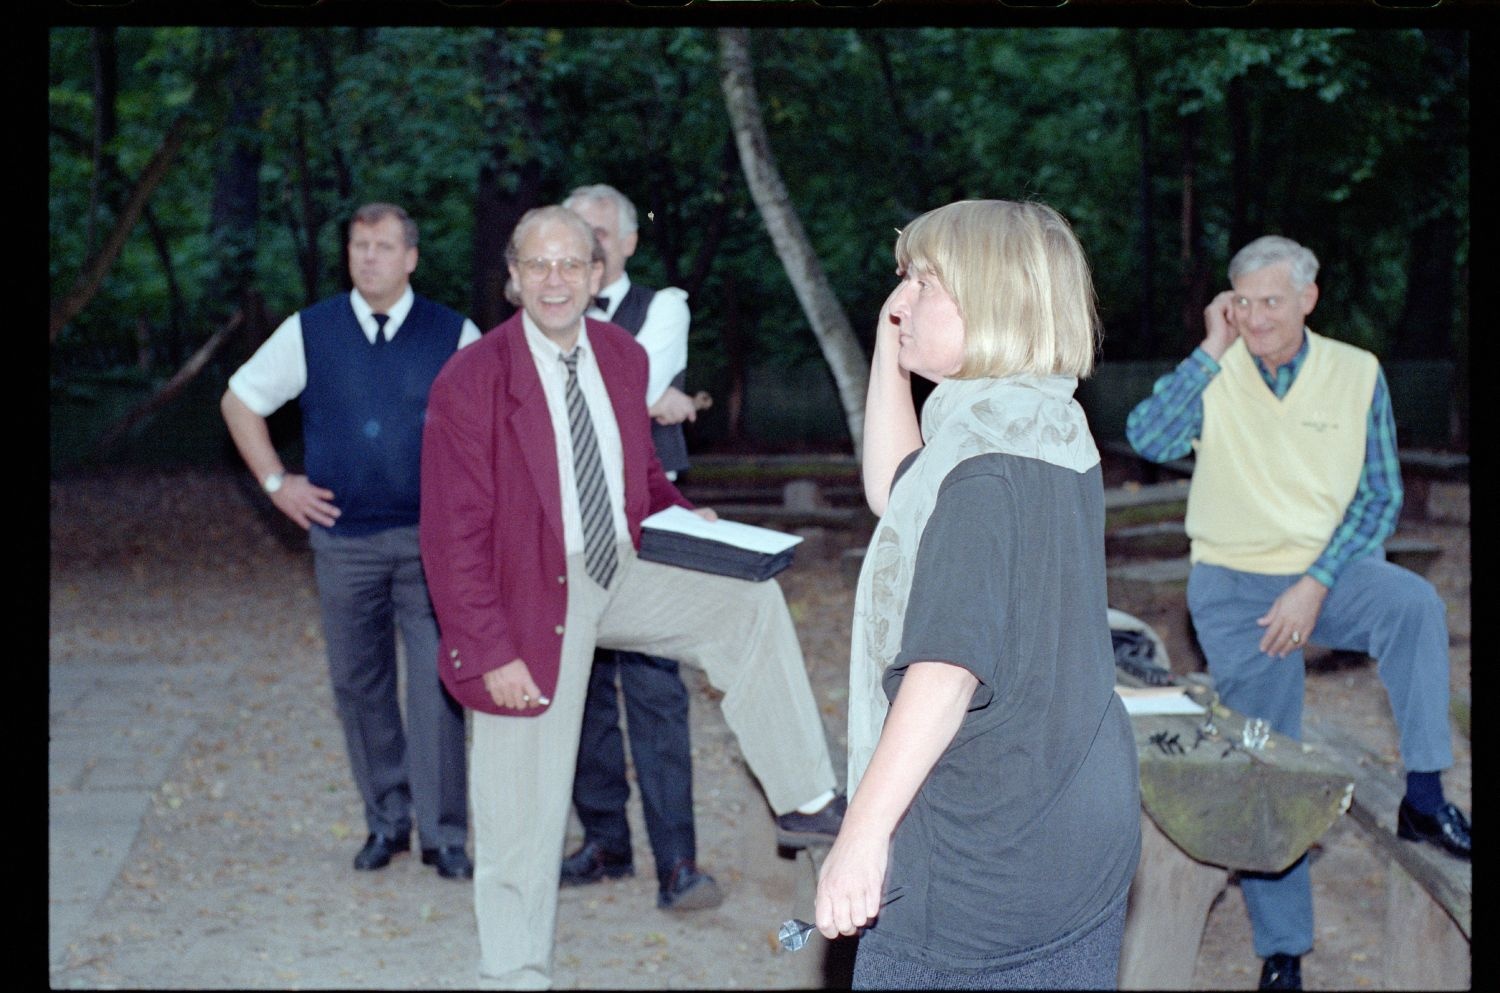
(361, 365)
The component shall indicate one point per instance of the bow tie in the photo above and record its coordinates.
(601, 303)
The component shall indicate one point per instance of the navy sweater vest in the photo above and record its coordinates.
(364, 407)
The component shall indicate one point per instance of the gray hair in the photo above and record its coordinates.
(603, 192)
(374, 213)
(537, 216)
(1271, 249)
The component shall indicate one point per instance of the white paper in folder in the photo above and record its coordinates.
(1157, 700)
(680, 520)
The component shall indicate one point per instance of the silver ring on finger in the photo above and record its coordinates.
(1296, 637)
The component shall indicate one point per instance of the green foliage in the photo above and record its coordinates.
(1352, 140)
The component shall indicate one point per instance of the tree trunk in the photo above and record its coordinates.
(713, 228)
(840, 348)
(67, 307)
(733, 337)
(1145, 344)
(1194, 275)
(916, 184)
(235, 213)
(496, 211)
(1425, 329)
(106, 126)
(174, 386)
(307, 219)
(171, 350)
(1242, 213)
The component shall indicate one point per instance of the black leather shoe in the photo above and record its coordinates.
(452, 861)
(689, 889)
(592, 863)
(1281, 972)
(797, 830)
(1447, 828)
(378, 851)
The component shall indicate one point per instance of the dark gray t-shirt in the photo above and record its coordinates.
(1027, 831)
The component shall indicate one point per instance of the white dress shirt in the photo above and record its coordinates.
(554, 376)
(664, 336)
(277, 372)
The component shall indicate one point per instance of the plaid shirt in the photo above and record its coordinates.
(1162, 427)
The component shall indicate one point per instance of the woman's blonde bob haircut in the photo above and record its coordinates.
(1021, 283)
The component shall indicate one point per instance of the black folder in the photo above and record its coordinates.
(689, 552)
(671, 546)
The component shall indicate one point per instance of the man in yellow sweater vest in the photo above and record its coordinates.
(1296, 487)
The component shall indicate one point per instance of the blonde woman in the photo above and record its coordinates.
(994, 824)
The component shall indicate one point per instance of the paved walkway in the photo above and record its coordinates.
(123, 732)
(115, 732)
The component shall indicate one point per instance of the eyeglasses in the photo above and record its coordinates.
(535, 270)
(1270, 303)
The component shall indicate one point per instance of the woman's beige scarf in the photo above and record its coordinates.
(1031, 416)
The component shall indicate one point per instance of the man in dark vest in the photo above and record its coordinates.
(656, 701)
(361, 365)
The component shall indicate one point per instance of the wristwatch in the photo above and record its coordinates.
(272, 483)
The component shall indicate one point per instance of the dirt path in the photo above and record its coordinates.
(238, 876)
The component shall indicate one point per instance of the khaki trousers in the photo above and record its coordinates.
(521, 768)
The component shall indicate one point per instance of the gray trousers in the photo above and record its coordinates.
(1375, 607)
(368, 585)
(521, 771)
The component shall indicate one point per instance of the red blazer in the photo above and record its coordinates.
(491, 525)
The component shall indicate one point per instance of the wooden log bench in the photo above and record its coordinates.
(1167, 539)
(1208, 808)
(1428, 911)
(1136, 504)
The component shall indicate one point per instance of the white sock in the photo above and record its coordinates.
(817, 803)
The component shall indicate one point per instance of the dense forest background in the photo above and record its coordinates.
(201, 178)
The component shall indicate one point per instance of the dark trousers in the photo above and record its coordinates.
(368, 586)
(656, 709)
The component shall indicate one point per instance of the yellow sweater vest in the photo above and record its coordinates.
(1273, 478)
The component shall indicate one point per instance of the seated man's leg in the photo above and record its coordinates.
(1395, 616)
(656, 710)
(1224, 605)
(741, 635)
(600, 788)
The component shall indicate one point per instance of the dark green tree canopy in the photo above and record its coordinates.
(1166, 149)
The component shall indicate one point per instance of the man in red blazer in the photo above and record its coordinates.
(537, 469)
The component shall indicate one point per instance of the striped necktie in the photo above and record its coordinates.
(588, 472)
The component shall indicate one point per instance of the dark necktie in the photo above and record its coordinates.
(588, 472)
(380, 320)
(601, 304)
